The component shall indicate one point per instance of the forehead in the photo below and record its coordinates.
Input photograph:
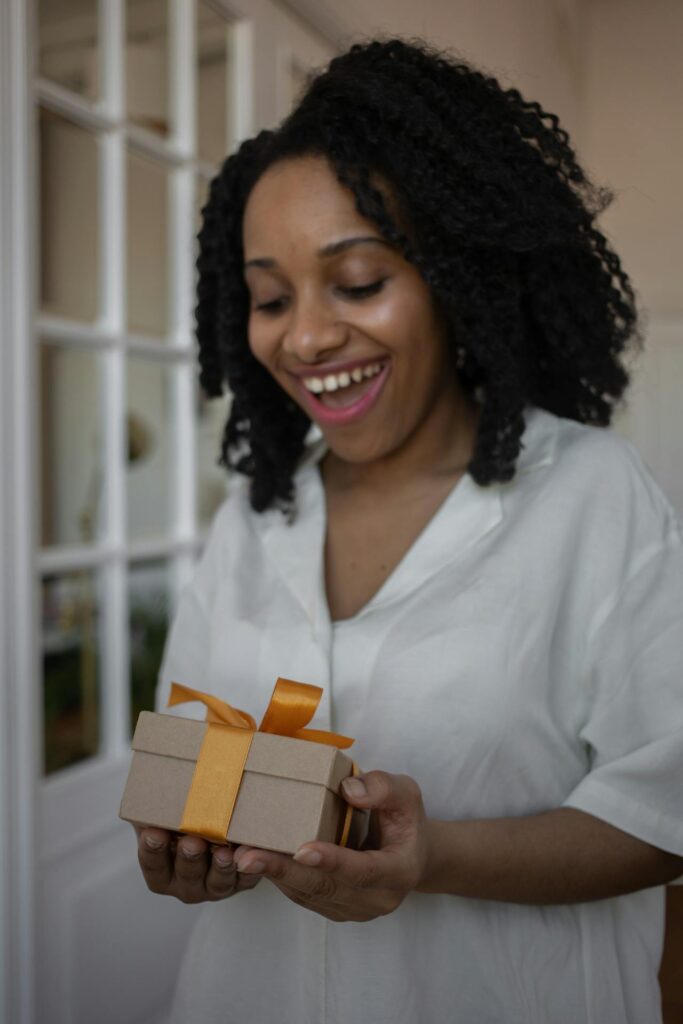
(299, 202)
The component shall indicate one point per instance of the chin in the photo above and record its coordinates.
(358, 452)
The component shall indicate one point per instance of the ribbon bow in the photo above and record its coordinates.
(223, 755)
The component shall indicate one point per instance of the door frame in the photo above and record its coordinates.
(20, 721)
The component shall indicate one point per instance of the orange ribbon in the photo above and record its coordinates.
(225, 748)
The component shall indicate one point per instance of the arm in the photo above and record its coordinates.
(560, 856)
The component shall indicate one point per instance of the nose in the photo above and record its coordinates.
(313, 331)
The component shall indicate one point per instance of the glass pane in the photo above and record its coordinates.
(68, 53)
(147, 100)
(212, 84)
(212, 479)
(71, 441)
(71, 669)
(149, 592)
(147, 254)
(69, 222)
(149, 426)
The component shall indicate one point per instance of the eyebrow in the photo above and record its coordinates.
(333, 249)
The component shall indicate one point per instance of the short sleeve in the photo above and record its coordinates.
(633, 726)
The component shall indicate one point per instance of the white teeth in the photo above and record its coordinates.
(334, 381)
(372, 370)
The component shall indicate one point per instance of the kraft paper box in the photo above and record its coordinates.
(288, 794)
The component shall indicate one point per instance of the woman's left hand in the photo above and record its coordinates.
(352, 885)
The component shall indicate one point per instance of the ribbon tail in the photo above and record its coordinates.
(332, 739)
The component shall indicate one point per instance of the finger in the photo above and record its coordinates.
(155, 858)
(244, 882)
(221, 878)
(394, 800)
(360, 869)
(382, 791)
(250, 860)
(191, 865)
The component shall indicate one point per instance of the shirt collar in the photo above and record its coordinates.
(468, 513)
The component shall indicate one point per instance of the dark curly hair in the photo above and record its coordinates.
(500, 222)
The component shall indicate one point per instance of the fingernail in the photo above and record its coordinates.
(354, 788)
(309, 857)
(191, 850)
(223, 858)
(153, 844)
(253, 867)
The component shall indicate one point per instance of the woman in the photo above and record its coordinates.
(489, 589)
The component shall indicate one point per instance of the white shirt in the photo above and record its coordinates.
(526, 654)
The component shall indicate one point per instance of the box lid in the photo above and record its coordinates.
(282, 756)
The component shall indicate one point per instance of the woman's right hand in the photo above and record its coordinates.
(188, 867)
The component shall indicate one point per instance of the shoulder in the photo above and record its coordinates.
(596, 466)
(598, 499)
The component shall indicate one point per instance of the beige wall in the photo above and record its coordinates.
(631, 135)
(631, 116)
(533, 44)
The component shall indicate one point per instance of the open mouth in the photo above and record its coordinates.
(342, 397)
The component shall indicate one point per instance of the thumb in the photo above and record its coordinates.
(382, 791)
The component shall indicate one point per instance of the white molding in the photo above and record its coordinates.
(69, 104)
(56, 330)
(19, 722)
(241, 115)
(73, 558)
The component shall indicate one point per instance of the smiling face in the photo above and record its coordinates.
(344, 323)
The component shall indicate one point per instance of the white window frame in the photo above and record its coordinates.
(24, 793)
(19, 722)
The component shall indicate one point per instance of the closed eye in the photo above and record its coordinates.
(363, 290)
(269, 307)
(357, 292)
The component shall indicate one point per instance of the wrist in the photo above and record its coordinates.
(434, 848)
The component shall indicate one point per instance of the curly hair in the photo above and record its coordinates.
(500, 224)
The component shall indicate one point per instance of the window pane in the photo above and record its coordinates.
(71, 669)
(149, 421)
(212, 84)
(72, 472)
(69, 222)
(149, 593)
(147, 24)
(147, 253)
(68, 52)
(212, 479)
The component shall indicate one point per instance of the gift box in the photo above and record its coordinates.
(274, 787)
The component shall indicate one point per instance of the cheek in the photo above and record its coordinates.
(261, 344)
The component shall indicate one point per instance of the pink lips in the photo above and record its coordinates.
(350, 413)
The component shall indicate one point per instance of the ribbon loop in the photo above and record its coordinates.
(223, 754)
(291, 707)
(216, 710)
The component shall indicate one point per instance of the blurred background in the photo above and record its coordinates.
(115, 115)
